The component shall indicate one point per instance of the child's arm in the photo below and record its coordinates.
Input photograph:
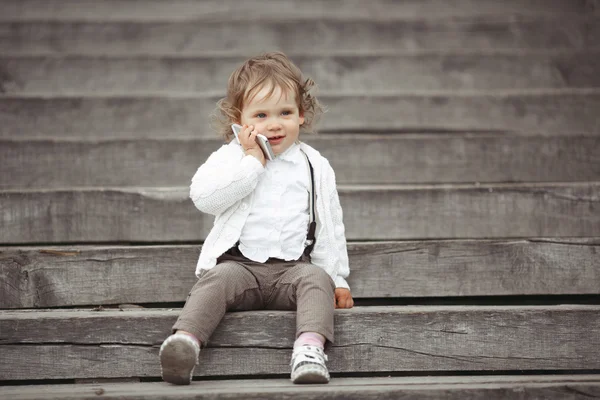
(339, 233)
(343, 297)
(225, 178)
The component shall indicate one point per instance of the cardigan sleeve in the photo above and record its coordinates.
(342, 268)
(226, 177)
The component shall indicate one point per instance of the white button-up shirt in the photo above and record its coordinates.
(278, 220)
(226, 181)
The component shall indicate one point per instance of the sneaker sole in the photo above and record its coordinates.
(310, 374)
(177, 362)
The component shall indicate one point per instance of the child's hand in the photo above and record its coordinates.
(343, 298)
(247, 139)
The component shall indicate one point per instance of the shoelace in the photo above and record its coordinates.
(309, 352)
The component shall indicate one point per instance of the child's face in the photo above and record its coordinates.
(276, 116)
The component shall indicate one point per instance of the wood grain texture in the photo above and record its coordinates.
(228, 10)
(318, 35)
(364, 74)
(540, 111)
(419, 158)
(550, 387)
(84, 344)
(71, 276)
(386, 212)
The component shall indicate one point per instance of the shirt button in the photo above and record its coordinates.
(244, 206)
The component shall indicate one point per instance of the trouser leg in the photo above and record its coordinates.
(310, 290)
(226, 287)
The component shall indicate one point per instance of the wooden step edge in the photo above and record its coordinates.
(518, 53)
(67, 250)
(294, 54)
(308, 138)
(210, 95)
(295, 18)
(326, 136)
(467, 186)
(182, 14)
(355, 312)
(417, 387)
(181, 191)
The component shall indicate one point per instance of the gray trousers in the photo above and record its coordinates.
(238, 284)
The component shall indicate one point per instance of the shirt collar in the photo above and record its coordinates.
(291, 154)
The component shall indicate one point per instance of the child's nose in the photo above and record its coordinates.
(274, 125)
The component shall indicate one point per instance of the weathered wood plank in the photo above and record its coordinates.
(228, 10)
(541, 111)
(386, 212)
(357, 73)
(71, 276)
(318, 35)
(420, 158)
(549, 387)
(80, 344)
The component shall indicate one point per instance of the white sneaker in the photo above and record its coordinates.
(178, 357)
(308, 365)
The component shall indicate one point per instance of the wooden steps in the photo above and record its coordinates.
(382, 159)
(318, 35)
(228, 10)
(550, 387)
(113, 344)
(465, 139)
(370, 213)
(543, 111)
(61, 276)
(456, 70)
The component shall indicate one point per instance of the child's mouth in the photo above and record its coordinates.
(276, 139)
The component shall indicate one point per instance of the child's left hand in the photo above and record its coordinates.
(343, 298)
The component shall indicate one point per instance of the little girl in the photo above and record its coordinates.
(278, 238)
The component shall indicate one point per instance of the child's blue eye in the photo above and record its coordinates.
(287, 113)
(261, 115)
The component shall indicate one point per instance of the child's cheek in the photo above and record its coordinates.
(246, 119)
(260, 127)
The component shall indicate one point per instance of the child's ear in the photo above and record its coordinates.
(301, 119)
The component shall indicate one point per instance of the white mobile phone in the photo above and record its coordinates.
(236, 131)
(262, 141)
(264, 144)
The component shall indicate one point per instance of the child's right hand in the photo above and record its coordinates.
(247, 138)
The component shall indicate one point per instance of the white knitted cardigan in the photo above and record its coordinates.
(224, 187)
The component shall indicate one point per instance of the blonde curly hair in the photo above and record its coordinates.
(274, 70)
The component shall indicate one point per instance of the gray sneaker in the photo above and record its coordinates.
(178, 358)
(308, 365)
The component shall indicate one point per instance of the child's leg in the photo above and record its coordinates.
(310, 290)
(227, 286)
(313, 291)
